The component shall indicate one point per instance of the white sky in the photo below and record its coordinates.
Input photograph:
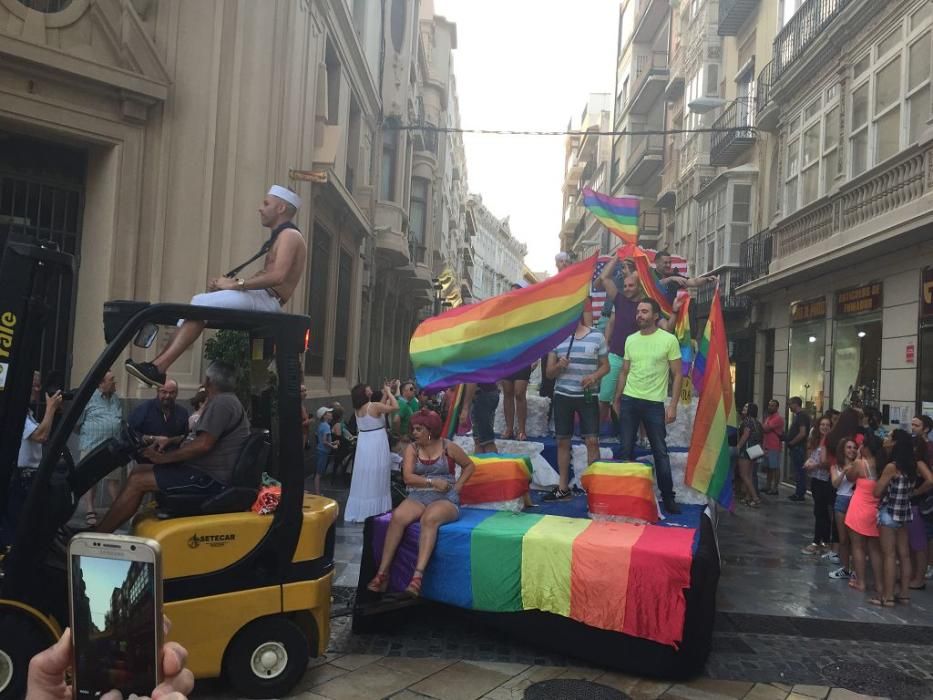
(523, 64)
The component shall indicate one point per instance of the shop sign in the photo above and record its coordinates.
(910, 353)
(926, 294)
(858, 300)
(809, 310)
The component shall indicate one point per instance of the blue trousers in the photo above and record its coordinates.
(651, 414)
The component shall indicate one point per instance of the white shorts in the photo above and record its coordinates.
(249, 300)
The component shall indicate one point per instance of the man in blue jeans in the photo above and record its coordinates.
(651, 356)
(796, 439)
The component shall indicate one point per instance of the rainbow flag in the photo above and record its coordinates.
(490, 340)
(651, 284)
(621, 488)
(709, 468)
(623, 577)
(682, 333)
(618, 214)
(453, 412)
(497, 477)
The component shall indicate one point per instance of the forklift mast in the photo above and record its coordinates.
(29, 272)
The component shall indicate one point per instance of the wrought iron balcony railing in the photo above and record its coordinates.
(739, 118)
(804, 27)
(755, 254)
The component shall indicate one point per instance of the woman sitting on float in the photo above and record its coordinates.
(429, 470)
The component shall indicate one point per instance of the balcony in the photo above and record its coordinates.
(391, 228)
(574, 215)
(810, 23)
(739, 118)
(755, 254)
(649, 16)
(649, 226)
(891, 202)
(734, 305)
(766, 109)
(733, 14)
(667, 195)
(651, 74)
(644, 159)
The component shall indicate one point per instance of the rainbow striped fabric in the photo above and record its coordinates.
(682, 333)
(455, 397)
(490, 340)
(621, 488)
(709, 468)
(651, 284)
(618, 214)
(615, 576)
(497, 477)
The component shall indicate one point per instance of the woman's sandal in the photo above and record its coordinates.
(881, 602)
(522, 437)
(506, 435)
(902, 599)
(380, 583)
(414, 586)
(856, 585)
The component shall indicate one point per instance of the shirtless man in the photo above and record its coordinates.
(268, 290)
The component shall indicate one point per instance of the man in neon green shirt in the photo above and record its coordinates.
(651, 356)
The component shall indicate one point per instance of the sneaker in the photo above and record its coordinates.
(832, 557)
(670, 505)
(577, 491)
(146, 372)
(558, 494)
(840, 573)
(796, 499)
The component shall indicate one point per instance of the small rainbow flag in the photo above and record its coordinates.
(490, 340)
(497, 477)
(618, 214)
(709, 468)
(651, 284)
(453, 412)
(621, 488)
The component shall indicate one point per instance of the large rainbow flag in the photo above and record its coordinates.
(709, 467)
(497, 477)
(618, 214)
(616, 576)
(490, 340)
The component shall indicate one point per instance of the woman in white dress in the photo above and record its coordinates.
(370, 485)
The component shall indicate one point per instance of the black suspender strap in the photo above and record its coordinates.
(266, 247)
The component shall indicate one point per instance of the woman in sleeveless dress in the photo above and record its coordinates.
(433, 498)
(370, 484)
(861, 518)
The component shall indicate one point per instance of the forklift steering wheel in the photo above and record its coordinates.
(132, 439)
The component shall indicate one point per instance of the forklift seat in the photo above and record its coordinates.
(239, 495)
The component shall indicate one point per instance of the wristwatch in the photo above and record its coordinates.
(240, 283)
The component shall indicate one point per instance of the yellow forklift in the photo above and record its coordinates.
(248, 594)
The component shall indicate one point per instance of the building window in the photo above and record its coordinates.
(389, 163)
(318, 301)
(890, 97)
(343, 306)
(807, 344)
(812, 158)
(332, 68)
(417, 217)
(857, 360)
(397, 24)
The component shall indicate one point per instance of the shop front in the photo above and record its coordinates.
(857, 335)
(806, 350)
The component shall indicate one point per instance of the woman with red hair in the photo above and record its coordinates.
(429, 470)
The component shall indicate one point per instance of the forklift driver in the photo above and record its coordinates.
(203, 464)
(268, 290)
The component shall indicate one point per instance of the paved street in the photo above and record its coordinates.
(782, 624)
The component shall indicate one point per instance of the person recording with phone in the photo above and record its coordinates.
(35, 434)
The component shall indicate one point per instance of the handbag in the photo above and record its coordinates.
(754, 451)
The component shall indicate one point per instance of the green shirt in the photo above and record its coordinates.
(406, 409)
(649, 358)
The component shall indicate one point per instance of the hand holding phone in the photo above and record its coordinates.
(115, 584)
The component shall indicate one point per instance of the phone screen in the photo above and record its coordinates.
(114, 625)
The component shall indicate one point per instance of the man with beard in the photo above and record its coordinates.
(651, 356)
(161, 417)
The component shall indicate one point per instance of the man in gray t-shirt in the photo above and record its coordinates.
(202, 465)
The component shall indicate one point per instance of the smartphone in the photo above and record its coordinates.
(115, 596)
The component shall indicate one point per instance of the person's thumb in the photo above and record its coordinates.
(47, 668)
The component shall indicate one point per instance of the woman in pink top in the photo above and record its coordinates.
(861, 518)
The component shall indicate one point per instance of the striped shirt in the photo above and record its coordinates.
(100, 420)
(585, 354)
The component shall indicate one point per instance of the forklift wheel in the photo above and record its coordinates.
(267, 658)
(21, 638)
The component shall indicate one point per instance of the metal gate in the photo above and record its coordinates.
(42, 196)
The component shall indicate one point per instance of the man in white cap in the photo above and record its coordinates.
(562, 260)
(268, 290)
